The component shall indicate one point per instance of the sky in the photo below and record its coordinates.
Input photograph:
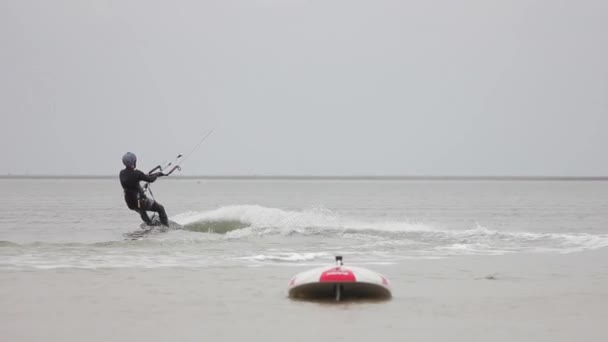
(295, 87)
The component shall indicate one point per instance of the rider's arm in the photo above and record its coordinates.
(146, 178)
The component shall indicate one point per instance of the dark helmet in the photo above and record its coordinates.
(129, 159)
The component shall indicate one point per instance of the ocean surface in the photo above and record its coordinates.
(468, 260)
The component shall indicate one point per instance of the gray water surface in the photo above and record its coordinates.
(468, 260)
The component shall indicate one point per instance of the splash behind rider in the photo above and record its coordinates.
(135, 196)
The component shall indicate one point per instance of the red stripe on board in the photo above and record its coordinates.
(337, 275)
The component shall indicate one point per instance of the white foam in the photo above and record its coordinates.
(545, 242)
(394, 234)
(262, 217)
(307, 221)
(285, 257)
(469, 249)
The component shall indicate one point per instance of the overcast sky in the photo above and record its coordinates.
(294, 87)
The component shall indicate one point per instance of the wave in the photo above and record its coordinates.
(218, 227)
(260, 218)
(245, 220)
(265, 220)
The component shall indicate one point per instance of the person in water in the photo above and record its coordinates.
(134, 194)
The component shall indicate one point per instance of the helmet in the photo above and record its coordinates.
(129, 159)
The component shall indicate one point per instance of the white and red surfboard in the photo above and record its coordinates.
(339, 282)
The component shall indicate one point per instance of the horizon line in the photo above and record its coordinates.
(320, 177)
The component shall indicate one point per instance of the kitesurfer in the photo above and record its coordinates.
(135, 197)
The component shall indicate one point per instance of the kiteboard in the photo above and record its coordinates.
(155, 228)
(158, 226)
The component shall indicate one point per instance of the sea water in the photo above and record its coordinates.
(497, 260)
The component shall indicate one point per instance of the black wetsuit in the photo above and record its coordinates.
(136, 198)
